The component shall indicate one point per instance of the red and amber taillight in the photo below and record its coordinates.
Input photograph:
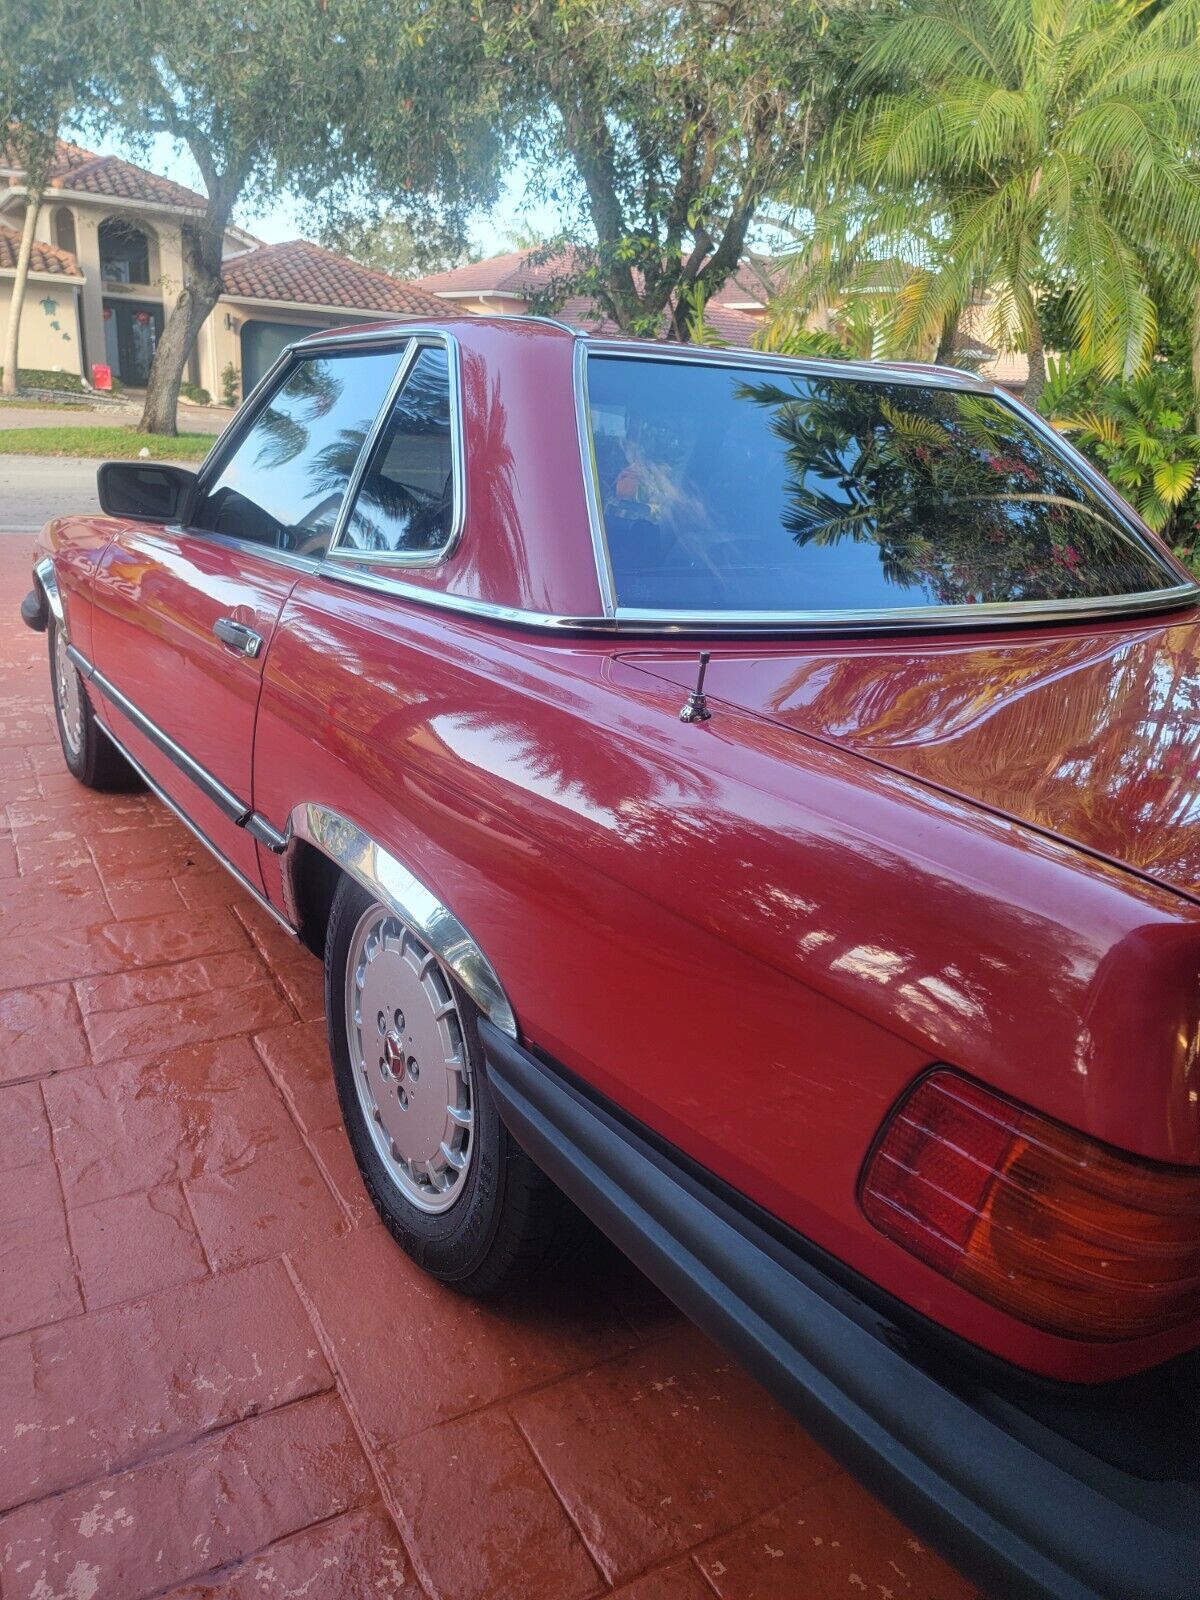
(1042, 1221)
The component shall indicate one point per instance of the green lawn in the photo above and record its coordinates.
(103, 444)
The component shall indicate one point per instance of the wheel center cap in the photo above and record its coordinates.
(393, 1054)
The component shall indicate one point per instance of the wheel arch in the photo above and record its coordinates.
(318, 836)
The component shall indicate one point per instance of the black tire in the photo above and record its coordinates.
(508, 1222)
(89, 753)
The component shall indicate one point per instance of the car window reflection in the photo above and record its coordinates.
(728, 489)
(284, 484)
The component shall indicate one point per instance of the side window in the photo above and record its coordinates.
(283, 485)
(405, 503)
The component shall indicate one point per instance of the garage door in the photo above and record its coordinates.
(262, 343)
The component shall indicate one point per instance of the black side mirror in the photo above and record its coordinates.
(145, 490)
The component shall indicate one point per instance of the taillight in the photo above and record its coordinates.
(1044, 1222)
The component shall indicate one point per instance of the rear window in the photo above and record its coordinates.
(737, 489)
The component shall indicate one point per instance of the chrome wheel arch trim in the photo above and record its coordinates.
(402, 892)
(48, 578)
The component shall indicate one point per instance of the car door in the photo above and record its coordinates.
(184, 617)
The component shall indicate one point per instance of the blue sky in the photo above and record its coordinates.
(285, 219)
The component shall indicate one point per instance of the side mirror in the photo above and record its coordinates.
(145, 490)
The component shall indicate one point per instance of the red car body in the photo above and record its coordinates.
(750, 935)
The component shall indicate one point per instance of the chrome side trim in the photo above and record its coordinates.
(382, 875)
(259, 828)
(48, 579)
(591, 482)
(423, 558)
(178, 811)
(238, 812)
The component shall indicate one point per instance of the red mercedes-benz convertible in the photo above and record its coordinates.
(757, 801)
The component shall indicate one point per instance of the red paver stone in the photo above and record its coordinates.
(336, 1161)
(829, 1542)
(37, 1270)
(358, 1557)
(664, 1448)
(444, 1354)
(297, 1057)
(40, 1032)
(153, 897)
(26, 1129)
(128, 1127)
(100, 1393)
(303, 982)
(681, 1580)
(277, 1202)
(134, 1245)
(476, 1477)
(213, 997)
(228, 1496)
(8, 858)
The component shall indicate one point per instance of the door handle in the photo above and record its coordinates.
(237, 636)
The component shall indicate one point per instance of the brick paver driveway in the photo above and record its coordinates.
(218, 1375)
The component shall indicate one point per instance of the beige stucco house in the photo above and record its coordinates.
(107, 268)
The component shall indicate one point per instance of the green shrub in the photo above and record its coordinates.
(37, 378)
(1139, 432)
(230, 382)
(195, 392)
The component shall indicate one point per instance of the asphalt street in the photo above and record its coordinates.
(35, 488)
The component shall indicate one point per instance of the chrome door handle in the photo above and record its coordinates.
(237, 636)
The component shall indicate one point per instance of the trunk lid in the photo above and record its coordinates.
(1092, 734)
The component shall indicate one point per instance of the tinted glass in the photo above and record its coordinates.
(731, 489)
(284, 483)
(405, 505)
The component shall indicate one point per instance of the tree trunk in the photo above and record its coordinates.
(202, 242)
(944, 354)
(12, 342)
(1036, 350)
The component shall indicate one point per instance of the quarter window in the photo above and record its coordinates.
(284, 484)
(405, 503)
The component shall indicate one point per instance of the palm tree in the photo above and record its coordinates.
(995, 140)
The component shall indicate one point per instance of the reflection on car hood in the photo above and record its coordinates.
(1093, 735)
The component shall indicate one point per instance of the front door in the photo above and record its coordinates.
(183, 618)
(131, 335)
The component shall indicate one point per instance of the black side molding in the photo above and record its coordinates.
(35, 613)
(1015, 1521)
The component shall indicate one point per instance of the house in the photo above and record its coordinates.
(513, 282)
(107, 269)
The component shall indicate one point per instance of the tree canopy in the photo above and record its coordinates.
(993, 140)
(659, 132)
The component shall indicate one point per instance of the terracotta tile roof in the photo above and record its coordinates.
(308, 275)
(520, 273)
(516, 273)
(45, 257)
(734, 327)
(84, 172)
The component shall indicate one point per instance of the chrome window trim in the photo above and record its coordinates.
(245, 418)
(398, 558)
(654, 620)
(591, 481)
(392, 883)
(462, 605)
(630, 621)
